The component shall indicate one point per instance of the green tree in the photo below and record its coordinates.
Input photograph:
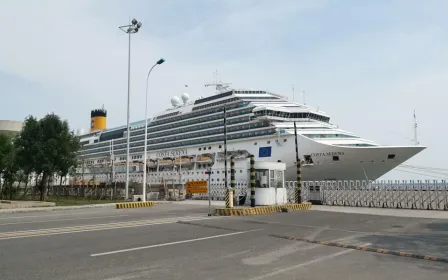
(7, 164)
(6, 151)
(46, 147)
(68, 147)
(27, 147)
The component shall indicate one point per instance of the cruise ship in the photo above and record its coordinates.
(187, 138)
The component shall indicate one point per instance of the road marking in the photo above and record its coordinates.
(86, 228)
(331, 229)
(62, 220)
(171, 243)
(283, 270)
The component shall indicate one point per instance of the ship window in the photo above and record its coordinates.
(209, 148)
(200, 149)
(390, 156)
(220, 146)
(269, 142)
(336, 158)
(255, 143)
(284, 140)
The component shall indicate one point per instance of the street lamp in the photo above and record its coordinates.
(131, 28)
(160, 61)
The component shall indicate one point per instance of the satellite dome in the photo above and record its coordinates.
(185, 97)
(175, 101)
(80, 131)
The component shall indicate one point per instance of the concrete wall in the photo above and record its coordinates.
(10, 127)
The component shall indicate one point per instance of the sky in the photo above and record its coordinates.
(368, 64)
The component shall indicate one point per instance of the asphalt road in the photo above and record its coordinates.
(151, 243)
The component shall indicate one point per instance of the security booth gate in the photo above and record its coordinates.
(269, 183)
(314, 194)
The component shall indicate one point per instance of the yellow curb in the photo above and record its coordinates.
(260, 210)
(135, 204)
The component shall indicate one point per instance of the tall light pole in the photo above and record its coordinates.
(131, 28)
(160, 61)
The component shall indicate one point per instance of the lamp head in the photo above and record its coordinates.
(160, 61)
(134, 21)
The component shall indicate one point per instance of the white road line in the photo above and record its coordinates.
(283, 270)
(62, 220)
(171, 219)
(172, 243)
(93, 229)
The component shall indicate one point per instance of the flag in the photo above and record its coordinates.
(265, 152)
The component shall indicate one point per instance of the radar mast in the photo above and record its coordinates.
(218, 84)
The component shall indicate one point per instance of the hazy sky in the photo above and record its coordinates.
(368, 64)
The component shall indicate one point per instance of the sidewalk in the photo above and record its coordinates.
(430, 214)
(56, 208)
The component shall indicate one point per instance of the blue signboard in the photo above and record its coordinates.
(265, 152)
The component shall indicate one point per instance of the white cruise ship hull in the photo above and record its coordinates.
(355, 163)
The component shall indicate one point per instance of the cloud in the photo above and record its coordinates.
(367, 64)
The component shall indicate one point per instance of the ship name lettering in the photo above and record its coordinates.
(329, 154)
(174, 153)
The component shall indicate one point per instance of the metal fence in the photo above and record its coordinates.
(424, 195)
(242, 192)
(218, 191)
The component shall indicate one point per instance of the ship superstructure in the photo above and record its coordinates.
(187, 138)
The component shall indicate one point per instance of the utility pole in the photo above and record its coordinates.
(225, 148)
(131, 28)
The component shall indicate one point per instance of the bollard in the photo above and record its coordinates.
(232, 179)
(252, 181)
(229, 198)
(298, 193)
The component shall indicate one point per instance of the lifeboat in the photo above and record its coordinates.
(166, 162)
(184, 160)
(205, 158)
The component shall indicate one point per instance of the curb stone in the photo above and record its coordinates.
(57, 208)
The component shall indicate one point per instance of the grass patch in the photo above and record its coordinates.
(64, 201)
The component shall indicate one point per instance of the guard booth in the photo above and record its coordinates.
(269, 183)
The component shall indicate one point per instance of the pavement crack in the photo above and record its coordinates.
(207, 226)
(364, 248)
